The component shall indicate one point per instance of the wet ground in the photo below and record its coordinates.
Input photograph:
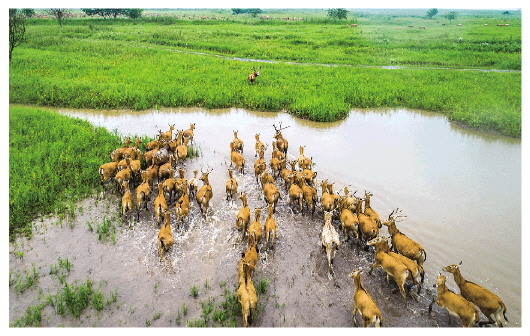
(443, 177)
(205, 255)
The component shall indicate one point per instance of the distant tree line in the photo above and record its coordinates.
(132, 13)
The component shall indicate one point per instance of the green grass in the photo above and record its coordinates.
(97, 63)
(22, 282)
(53, 160)
(71, 298)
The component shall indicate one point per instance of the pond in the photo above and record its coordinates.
(459, 188)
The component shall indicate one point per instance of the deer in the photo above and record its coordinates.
(165, 235)
(296, 194)
(151, 174)
(416, 272)
(205, 193)
(368, 228)
(150, 154)
(393, 268)
(142, 194)
(193, 184)
(252, 77)
(243, 216)
(281, 142)
(330, 241)
(153, 144)
(254, 230)
(364, 303)
(188, 134)
(133, 152)
(270, 227)
(259, 166)
(285, 172)
(182, 207)
(488, 303)
(169, 186)
(167, 136)
(107, 171)
(303, 161)
(163, 170)
(368, 209)
(260, 147)
(181, 184)
(182, 151)
(246, 293)
(231, 185)
(117, 154)
(124, 175)
(310, 196)
(455, 304)
(276, 166)
(271, 194)
(160, 204)
(126, 200)
(238, 160)
(328, 198)
(276, 153)
(348, 220)
(236, 144)
(403, 244)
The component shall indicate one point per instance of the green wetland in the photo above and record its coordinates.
(62, 227)
(169, 60)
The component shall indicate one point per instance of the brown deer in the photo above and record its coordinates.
(253, 75)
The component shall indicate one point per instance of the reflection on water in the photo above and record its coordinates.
(460, 188)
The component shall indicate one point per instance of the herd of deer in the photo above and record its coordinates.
(401, 262)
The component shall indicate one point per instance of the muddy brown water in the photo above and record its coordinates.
(460, 190)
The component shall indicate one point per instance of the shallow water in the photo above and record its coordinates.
(460, 190)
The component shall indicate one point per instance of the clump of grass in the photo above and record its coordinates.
(194, 291)
(32, 317)
(25, 281)
(262, 286)
(106, 230)
(193, 152)
(74, 298)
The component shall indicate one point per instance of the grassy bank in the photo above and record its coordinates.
(100, 63)
(53, 161)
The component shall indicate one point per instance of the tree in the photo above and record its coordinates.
(134, 13)
(29, 12)
(17, 29)
(432, 12)
(451, 16)
(255, 11)
(506, 12)
(338, 13)
(60, 14)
